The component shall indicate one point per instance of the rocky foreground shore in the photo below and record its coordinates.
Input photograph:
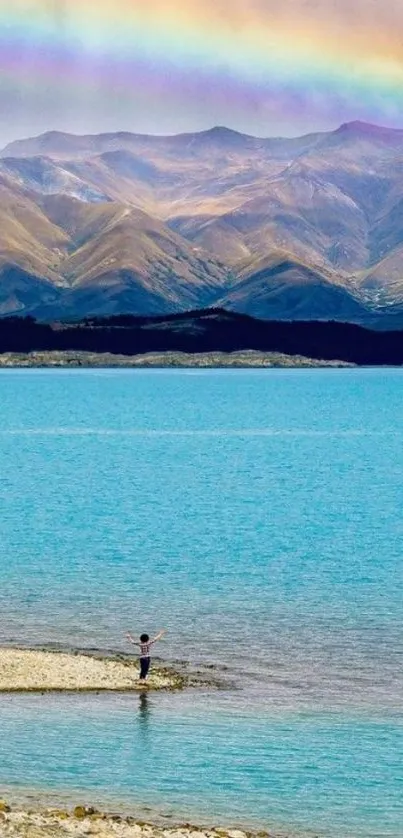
(83, 821)
(242, 359)
(27, 670)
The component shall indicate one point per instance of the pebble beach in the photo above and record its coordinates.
(80, 821)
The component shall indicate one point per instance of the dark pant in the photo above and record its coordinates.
(144, 667)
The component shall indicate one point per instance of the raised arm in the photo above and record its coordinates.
(158, 636)
(132, 640)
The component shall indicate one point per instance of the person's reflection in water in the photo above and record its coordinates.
(144, 712)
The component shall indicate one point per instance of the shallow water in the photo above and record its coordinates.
(256, 514)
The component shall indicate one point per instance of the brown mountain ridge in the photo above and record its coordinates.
(304, 228)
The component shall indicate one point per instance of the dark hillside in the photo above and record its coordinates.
(205, 331)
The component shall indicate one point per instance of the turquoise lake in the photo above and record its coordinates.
(257, 515)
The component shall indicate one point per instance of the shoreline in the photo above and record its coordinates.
(45, 671)
(24, 821)
(244, 359)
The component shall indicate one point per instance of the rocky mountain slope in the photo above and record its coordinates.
(306, 228)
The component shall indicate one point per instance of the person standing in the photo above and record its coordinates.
(145, 644)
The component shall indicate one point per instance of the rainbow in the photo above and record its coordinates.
(194, 63)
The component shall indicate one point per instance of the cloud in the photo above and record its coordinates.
(263, 66)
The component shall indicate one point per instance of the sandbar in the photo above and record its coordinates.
(31, 670)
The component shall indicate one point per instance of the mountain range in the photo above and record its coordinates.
(288, 229)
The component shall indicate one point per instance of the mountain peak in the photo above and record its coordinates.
(221, 134)
(222, 131)
(357, 127)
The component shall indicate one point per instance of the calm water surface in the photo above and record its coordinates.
(256, 514)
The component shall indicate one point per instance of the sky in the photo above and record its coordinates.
(264, 67)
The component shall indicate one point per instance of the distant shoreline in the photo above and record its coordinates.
(245, 359)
